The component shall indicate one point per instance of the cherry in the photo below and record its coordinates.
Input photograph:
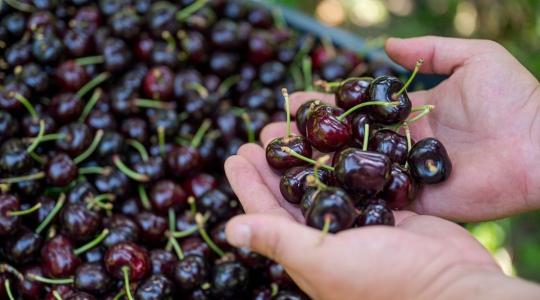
(77, 138)
(47, 48)
(229, 279)
(302, 114)
(61, 170)
(272, 72)
(199, 184)
(293, 184)
(166, 194)
(111, 143)
(262, 98)
(390, 143)
(14, 157)
(70, 76)
(35, 77)
(158, 83)
(80, 223)
(98, 119)
(190, 272)
(127, 258)
(135, 128)
(376, 212)
(215, 202)
(126, 23)
(114, 182)
(153, 168)
(8, 223)
(325, 131)
(400, 189)
(336, 68)
(195, 47)
(225, 35)
(65, 107)
(260, 47)
(155, 287)
(77, 42)
(58, 257)
(92, 278)
(352, 92)
(163, 262)
(8, 96)
(162, 17)
(182, 161)
(23, 247)
(164, 54)
(28, 288)
(218, 236)
(429, 162)
(116, 55)
(18, 54)
(223, 63)
(195, 246)
(332, 210)
(8, 126)
(121, 229)
(63, 291)
(152, 226)
(260, 17)
(89, 18)
(143, 47)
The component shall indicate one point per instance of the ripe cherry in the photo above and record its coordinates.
(70, 76)
(9, 223)
(332, 210)
(61, 170)
(156, 286)
(166, 194)
(376, 212)
(390, 143)
(401, 189)
(293, 184)
(158, 83)
(190, 272)
(326, 131)
(429, 162)
(302, 114)
(352, 92)
(127, 261)
(229, 279)
(58, 257)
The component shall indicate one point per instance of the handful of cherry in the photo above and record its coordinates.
(374, 168)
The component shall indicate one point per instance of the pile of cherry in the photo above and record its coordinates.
(374, 168)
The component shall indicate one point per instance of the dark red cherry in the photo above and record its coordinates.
(156, 286)
(113, 143)
(229, 279)
(225, 35)
(260, 47)
(31, 125)
(154, 167)
(78, 43)
(190, 272)
(293, 184)
(303, 112)
(196, 246)
(200, 184)
(278, 275)
(7, 96)
(336, 68)
(162, 17)
(195, 47)
(78, 295)
(61, 170)
(143, 47)
(401, 189)
(65, 107)
(70, 76)
(390, 143)
(89, 18)
(262, 98)
(352, 92)
(163, 262)
(331, 205)
(362, 173)
(121, 229)
(158, 83)
(307, 199)
(271, 73)
(98, 119)
(14, 159)
(23, 248)
(260, 17)
(376, 212)
(429, 162)
(325, 131)
(92, 278)
(217, 234)
(31, 289)
(182, 161)
(80, 223)
(35, 77)
(126, 23)
(166, 194)
(135, 128)
(152, 226)
(77, 138)
(58, 257)
(223, 64)
(383, 89)
(8, 224)
(81, 193)
(359, 122)
(217, 203)
(281, 160)
(47, 48)
(127, 255)
(116, 54)
(114, 182)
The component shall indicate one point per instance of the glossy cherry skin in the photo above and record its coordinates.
(14, 158)
(163, 262)
(80, 223)
(28, 288)
(182, 161)
(352, 92)
(92, 278)
(302, 114)
(261, 47)
(130, 255)
(121, 229)
(429, 162)
(8, 224)
(154, 167)
(293, 184)
(383, 89)
(58, 257)
(156, 286)
(78, 295)
(200, 184)
(158, 83)
(114, 182)
(401, 189)
(229, 279)
(333, 203)
(217, 203)
(358, 123)
(376, 212)
(61, 170)
(166, 194)
(196, 246)
(363, 173)
(23, 247)
(390, 143)
(190, 272)
(65, 107)
(280, 160)
(70, 76)
(63, 290)
(152, 226)
(77, 138)
(325, 132)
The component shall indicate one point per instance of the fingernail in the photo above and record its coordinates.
(239, 235)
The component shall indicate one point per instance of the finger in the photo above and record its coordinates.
(256, 155)
(275, 130)
(441, 55)
(299, 98)
(250, 188)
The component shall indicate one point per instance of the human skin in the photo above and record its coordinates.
(486, 115)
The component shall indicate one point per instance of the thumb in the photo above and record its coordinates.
(291, 244)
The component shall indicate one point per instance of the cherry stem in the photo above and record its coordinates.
(90, 85)
(427, 109)
(171, 42)
(172, 239)
(199, 135)
(226, 85)
(56, 281)
(120, 294)
(306, 159)
(38, 138)
(139, 147)
(320, 162)
(296, 75)
(172, 219)
(28, 211)
(306, 70)
(27, 104)
(90, 60)
(409, 141)
(184, 233)
(92, 243)
(199, 219)
(369, 103)
(161, 139)
(192, 205)
(329, 86)
(21, 6)
(7, 286)
(56, 295)
(35, 176)
(365, 142)
(279, 20)
(127, 171)
(410, 80)
(49, 137)
(91, 149)
(304, 50)
(150, 103)
(11, 270)
(287, 110)
(37, 158)
(143, 196)
(274, 289)
(89, 105)
(93, 170)
(125, 271)
(57, 207)
(326, 226)
(199, 88)
(98, 201)
(249, 127)
(187, 11)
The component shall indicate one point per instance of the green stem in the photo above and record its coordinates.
(161, 139)
(202, 231)
(51, 137)
(91, 149)
(56, 295)
(199, 88)
(92, 243)
(366, 137)
(120, 294)
(172, 220)
(171, 42)
(369, 103)
(306, 69)
(99, 199)
(150, 103)
(28, 211)
(139, 147)
(127, 171)
(26, 103)
(90, 60)
(411, 78)
(192, 205)
(287, 110)
(274, 288)
(176, 247)
(144, 198)
(38, 138)
(184, 233)
(35, 176)
(7, 286)
(296, 75)
(226, 85)
(92, 170)
(320, 162)
(5, 268)
(409, 141)
(21, 6)
(55, 281)
(57, 207)
(306, 159)
(90, 85)
(89, 105)
(279, 20)
(326, 226)
(426, 111)
(304, 50)
(249, 127)
(125, 271)
(37, 158)
(420, 108)
(187, 11)
(199, 135)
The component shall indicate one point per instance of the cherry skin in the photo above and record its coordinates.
(158, 83)
(152, 227)
(325, 131)
(302, 114)
(200, 184)
(376, 212)
(129, 255)
(359, 122)
(8, 224)
(65, 107)
(31, 289)
(306, 202)
(401, 189)
(229, 279)
(383, 89)
(390, 143)
(58, 257)
(429, 162)
(77, 138)
(331, 204)
(14, 159)
(70, 76)
(182, 161)
(154, 167)
(163, 262)
(196, 246)
(293, 184)
(92, 278)
(362, 173)
(352, 92)
(80, 223)
(190, 272)
(61, 170)
(281, 160)
(156, 286)
(166, 194)
(24, 247)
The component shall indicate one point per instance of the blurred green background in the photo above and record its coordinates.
(514, 242)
